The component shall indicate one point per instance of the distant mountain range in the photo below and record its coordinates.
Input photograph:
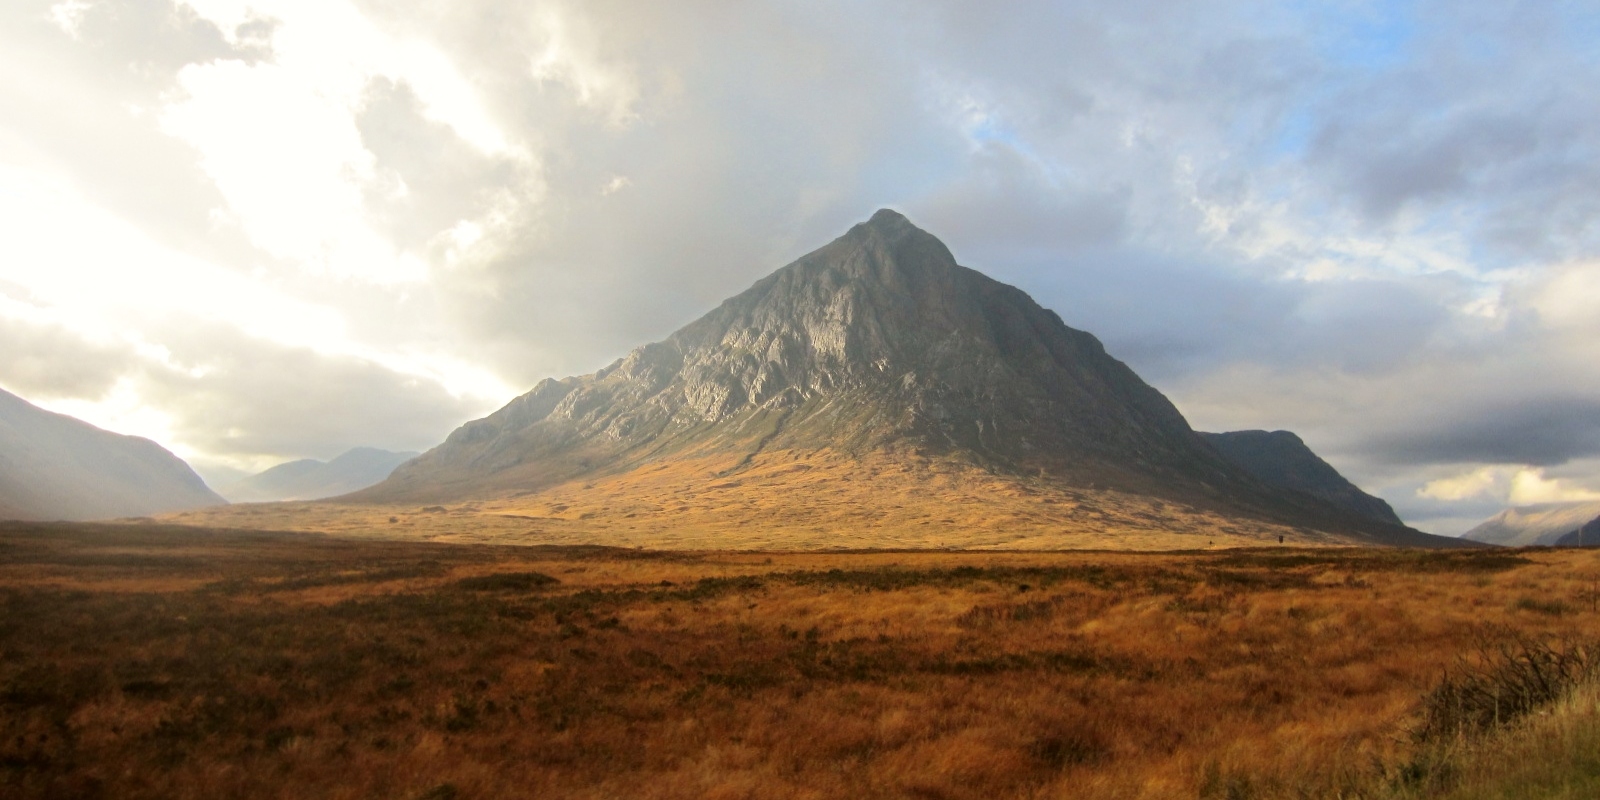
(1280, 458)
(55, 467)
(874, 369)
(309, 479)
(1542, 524)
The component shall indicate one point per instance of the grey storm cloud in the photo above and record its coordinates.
(1539, 431)
(1173, 318)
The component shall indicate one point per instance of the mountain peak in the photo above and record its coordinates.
(875, 345)
(876, 340)
(889, 220)
(886, 251)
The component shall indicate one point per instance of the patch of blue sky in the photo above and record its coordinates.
(1294, 133)
(1370, 36)
(989, 130)
(1353, 40)
(1580, 27)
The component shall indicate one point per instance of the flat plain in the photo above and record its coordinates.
(179, 662)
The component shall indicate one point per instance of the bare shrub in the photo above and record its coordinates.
(1506, 680)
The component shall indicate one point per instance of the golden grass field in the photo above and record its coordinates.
(162, 661)
(789, 500)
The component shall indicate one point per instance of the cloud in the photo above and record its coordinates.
(1482, 126)
(1530, 486)
(334, 403)
(47, 360)
(1538, 431)
(200, 393)
(1468, 485)
(281, 141)
(1501, 485)
(204, 360)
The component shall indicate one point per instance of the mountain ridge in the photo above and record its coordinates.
(1535, 524)
(1281, 458)
(57, 467)
(310, 479)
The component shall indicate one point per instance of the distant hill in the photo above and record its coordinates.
(1280, 458)
(53, 466)
(309, 479)
(1543, 524)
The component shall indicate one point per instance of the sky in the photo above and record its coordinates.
(262, 231)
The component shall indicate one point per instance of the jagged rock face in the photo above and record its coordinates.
(877, 340)
(1282, 459)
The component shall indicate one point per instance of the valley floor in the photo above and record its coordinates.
(175, 662)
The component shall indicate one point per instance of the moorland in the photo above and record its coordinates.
(178, 662)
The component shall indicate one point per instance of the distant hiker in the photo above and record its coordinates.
(1280, 538)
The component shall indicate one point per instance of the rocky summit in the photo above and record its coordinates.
(876, 347)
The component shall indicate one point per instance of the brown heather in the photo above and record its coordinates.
(151, 661)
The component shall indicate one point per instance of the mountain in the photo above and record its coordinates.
(876, 370)
(1280, 458)
(53, 466)
(1585, 535)
(309, 479)
(879, 339)
(1541, 524)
